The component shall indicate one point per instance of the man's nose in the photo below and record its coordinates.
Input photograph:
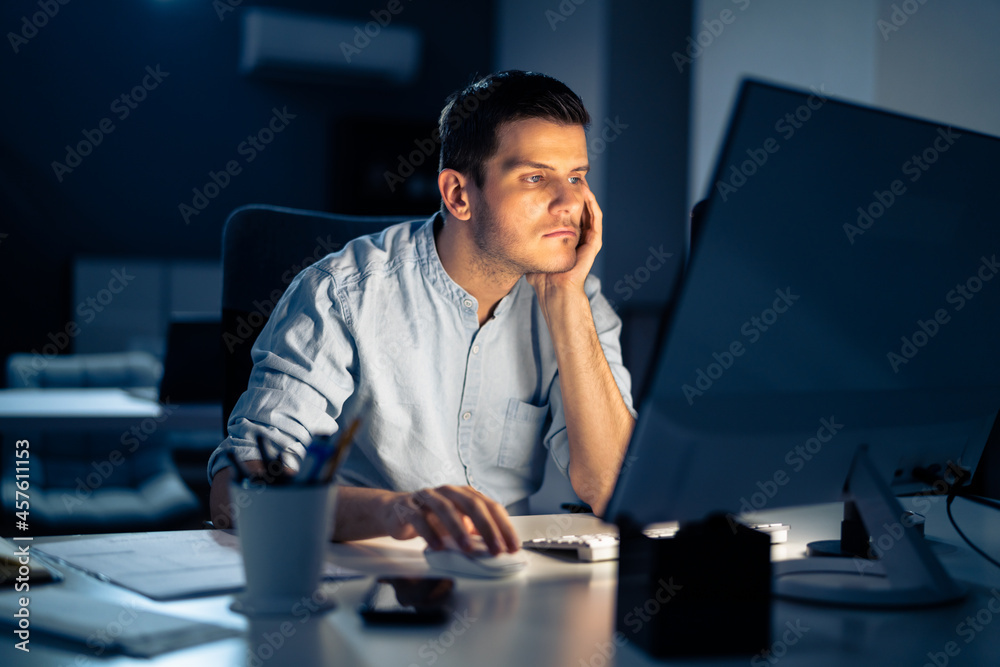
(566, 198)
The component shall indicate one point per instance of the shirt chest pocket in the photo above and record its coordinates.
(522, 435)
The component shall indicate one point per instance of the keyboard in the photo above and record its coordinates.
(604, 546)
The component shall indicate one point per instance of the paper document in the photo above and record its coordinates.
(138, 631)
(166, 565)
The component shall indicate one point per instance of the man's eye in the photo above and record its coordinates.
(576, 180)
(534, 179)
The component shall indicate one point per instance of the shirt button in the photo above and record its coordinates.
(467, 416)
(475, 349)
(467, 303)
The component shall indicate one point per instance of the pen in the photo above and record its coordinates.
(317, 454)
(343, 444)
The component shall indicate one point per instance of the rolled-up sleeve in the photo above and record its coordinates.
(609, 327)
(303, 372)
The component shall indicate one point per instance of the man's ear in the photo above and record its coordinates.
(454, 188)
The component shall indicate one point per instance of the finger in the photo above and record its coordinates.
(424, 528)
(447, 514)
(476, 507)
(596, 214)
(489, 517)
(510, 537)
(439, 530)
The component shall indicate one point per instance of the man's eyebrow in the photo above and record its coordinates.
(516, 163)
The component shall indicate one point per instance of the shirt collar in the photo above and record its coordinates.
(431, 261)
(435, 273)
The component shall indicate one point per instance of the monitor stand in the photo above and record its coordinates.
(855, 542)
(907, 573)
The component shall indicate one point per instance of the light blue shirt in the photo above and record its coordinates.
(451, 402)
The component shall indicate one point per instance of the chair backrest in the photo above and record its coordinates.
(263, 249)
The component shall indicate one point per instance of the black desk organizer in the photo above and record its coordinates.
(705, 592)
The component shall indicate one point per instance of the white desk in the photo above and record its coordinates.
(561, 614)
(96, 408)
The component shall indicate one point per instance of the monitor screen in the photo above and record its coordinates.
(841, 293)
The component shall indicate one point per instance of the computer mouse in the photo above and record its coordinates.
(478, 563)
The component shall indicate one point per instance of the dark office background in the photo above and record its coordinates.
(123, 200)
(121, 204)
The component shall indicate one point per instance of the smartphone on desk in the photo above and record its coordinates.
(408, 600)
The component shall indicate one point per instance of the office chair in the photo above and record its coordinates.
(263, 248)
(97, 480)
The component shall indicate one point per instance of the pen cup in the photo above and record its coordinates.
(283, 531)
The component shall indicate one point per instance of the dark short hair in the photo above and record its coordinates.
(471, 118)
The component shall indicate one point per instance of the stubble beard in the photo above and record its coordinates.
(494, 260)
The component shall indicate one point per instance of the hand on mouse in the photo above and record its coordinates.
(455, 511)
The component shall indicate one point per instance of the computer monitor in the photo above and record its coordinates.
(836, 328)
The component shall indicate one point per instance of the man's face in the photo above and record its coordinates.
(526, 217)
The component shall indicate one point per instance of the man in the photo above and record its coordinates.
(476, 337)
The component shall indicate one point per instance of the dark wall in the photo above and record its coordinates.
(647, 165)
(646, 203)
(123, 199)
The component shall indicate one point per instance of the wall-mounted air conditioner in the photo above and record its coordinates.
(294, 45)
